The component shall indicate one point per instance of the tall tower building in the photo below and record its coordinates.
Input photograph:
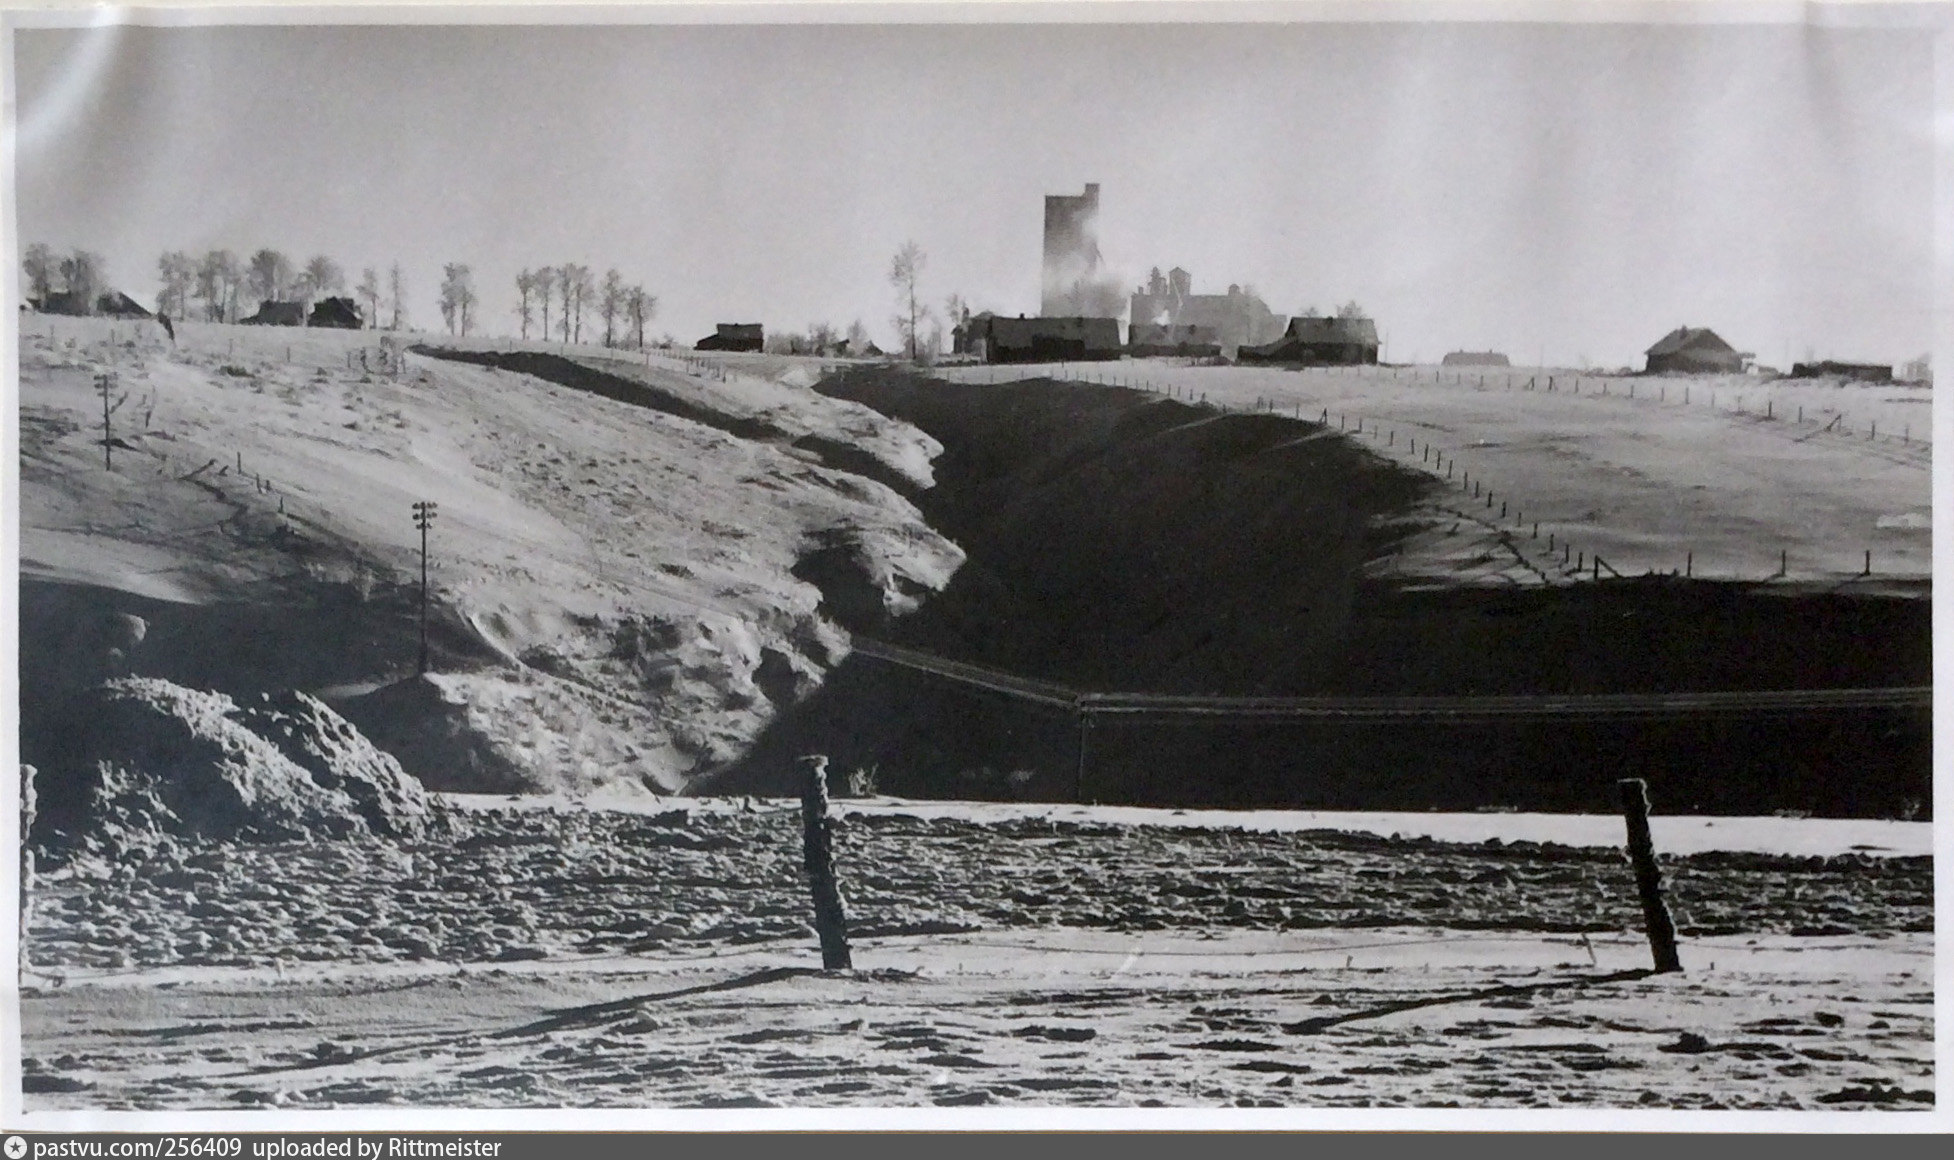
(1075, 283)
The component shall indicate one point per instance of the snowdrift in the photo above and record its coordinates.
(143, 761)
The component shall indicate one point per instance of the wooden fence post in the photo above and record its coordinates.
(817, 847)
(1648, 876)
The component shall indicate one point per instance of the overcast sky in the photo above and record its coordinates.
(1569, 190)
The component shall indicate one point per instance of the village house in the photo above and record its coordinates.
(274, 313)
(114, 304)
(1689, 350)
(1027, 340)
(1312, 341)
(337, 313)
(734, 336)
(1475, 358)
(1852, 372)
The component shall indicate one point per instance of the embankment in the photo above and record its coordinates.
(1120, 542)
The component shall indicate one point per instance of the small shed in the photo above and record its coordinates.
(1694, 350)
(1319, 342)
(337, 313)
(273, 313)
(1037, 340)
(747, 336)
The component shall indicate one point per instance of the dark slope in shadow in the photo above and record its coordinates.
(1121, 542)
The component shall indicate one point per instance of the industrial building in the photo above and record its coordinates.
(1236, 319)
(1172, 340)
(1075, 283)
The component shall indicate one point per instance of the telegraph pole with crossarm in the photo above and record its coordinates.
(423, 519)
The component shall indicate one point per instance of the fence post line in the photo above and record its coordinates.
(817, 849)
(1648, 876)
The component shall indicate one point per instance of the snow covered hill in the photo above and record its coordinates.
(623, 596)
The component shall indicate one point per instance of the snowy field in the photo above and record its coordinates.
(1723, 477)
(555, 954)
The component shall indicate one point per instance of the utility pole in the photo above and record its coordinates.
(105, 383)
(423, 519)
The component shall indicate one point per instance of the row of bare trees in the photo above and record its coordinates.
(575, 290)
(223, 285)
(458, 298)
(820, 338)
(81, 274)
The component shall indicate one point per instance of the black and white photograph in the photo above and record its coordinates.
(1148, 566)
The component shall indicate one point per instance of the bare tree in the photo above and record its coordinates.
(41, 268)
(177, 271)
(610, 301)
(566, 293)
(269, 275)
(1351, 312)
(85, 276)
(858, 339)
(543, 279)
(396, 296)
(525, 291)
(369, 293)
(821, 337)
(905, 271)
(639, 308)
(321, 276)
(457, 297)
(576, 287)
(219, 278)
